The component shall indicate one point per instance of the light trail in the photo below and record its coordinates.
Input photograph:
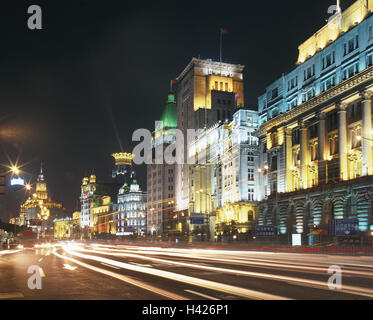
(123, 278)
(9, 251)
(238, 291)
(291, 280)
(258, 262)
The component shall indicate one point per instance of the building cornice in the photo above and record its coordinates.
(205, 63)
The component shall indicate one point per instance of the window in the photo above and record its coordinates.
(310, 93)
(332, 121)
(312, 131)
(274, 112)
(216, 85)
(309, 72)
(250, 216)
(350, 71)
(354, 112)
(226, 86)
(251, 194)
(274, 93)
(292, 83)
(293, 103)
(295, 137)
(274, 163)
(328, 83)
(328, 60)
(351, 45)
(250, 156)
(370, 33)
(370, 59)
(250, 174)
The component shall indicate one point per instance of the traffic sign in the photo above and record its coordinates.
(343, 227)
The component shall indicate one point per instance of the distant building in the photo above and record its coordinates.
(161, 177)
(103, 211)
(39, 209)
(91, 193)
(63, 228)
(131, 214)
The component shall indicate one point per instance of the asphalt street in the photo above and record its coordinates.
(75, 271)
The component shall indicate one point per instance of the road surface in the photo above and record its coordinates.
(76, 271)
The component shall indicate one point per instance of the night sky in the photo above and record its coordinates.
(100, 64)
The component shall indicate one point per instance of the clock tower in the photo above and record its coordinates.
(41, 187)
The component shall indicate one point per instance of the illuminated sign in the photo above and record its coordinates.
(17, 182)
(296, 239)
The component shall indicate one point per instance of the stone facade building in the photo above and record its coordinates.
(315, 150)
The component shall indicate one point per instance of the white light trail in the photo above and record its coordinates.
(292, 280)
(247, 293)
(123, 278)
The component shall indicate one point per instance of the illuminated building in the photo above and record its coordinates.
(208, 91)
(103, 213)
(91, 194)
(161, 177)
(39, 208)
(222, 188)
(316, 151)
(131, 216)
(63, 228)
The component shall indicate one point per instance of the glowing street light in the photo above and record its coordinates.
(28, 187)
(15, 170)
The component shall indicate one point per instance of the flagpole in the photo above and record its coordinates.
(221, 39)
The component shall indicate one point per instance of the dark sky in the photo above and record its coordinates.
(59, 85)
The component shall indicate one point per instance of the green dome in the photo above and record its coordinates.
(169, 115)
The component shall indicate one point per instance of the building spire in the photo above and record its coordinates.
(41, 175)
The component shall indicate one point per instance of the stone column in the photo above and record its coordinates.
(366, 132)
(342, 140)
(303, 155)
(288, 160)
(321, 157)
